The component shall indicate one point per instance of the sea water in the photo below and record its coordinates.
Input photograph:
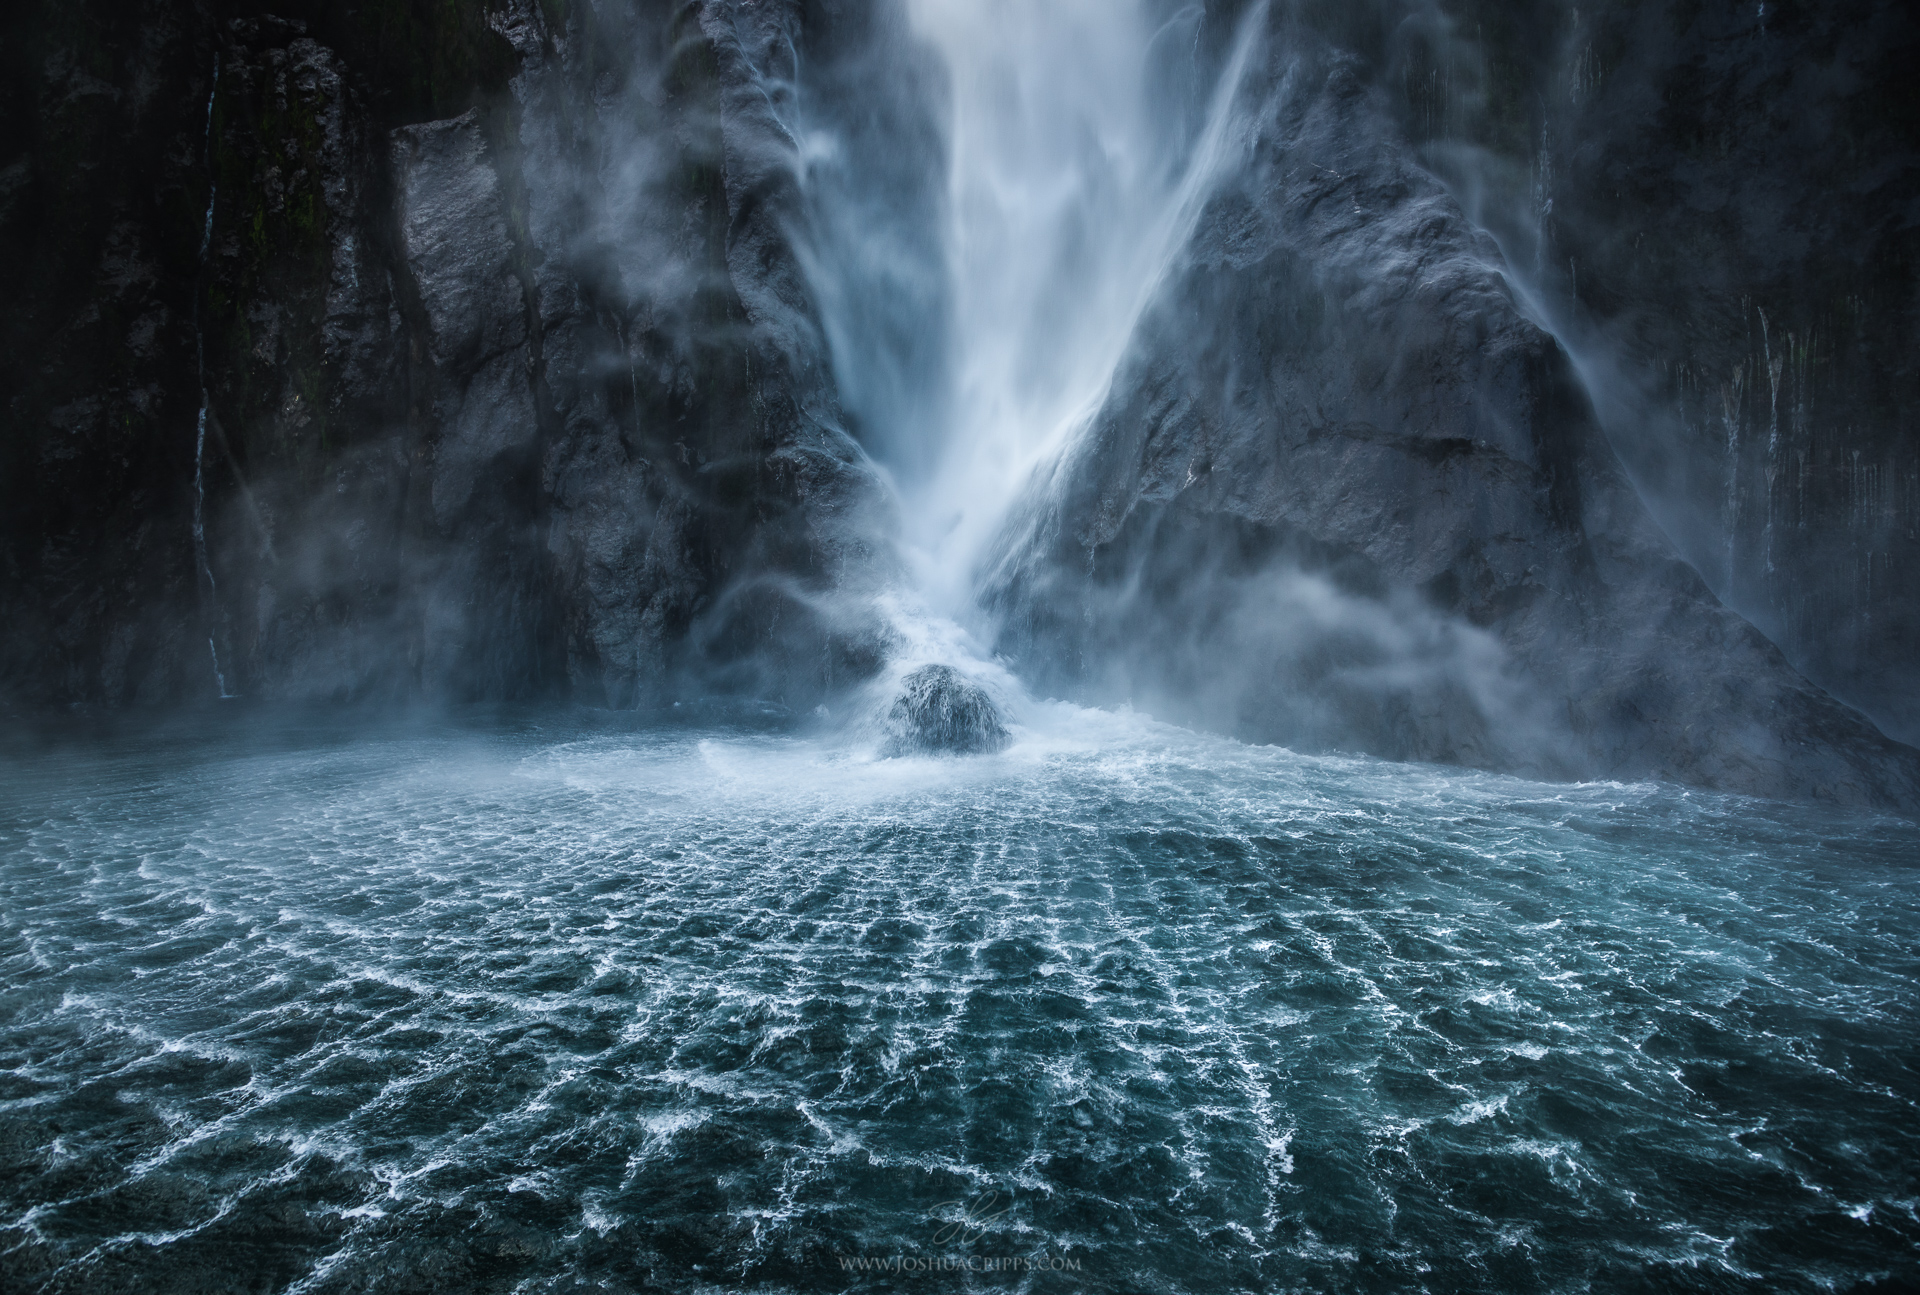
(540, 1005)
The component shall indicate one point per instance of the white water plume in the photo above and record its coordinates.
(1078, 157)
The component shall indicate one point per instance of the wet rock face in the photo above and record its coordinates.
(1774, 322)
(1345, 495)
(514, 388)
(942, 712)
(508, 397)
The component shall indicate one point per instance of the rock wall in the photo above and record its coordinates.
(509, 392)
(460, 351)
(1721, 204)
(1346, 494)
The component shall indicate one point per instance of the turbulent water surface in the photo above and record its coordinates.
(1121, 1008)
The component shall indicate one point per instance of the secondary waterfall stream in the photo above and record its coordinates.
(209, 587)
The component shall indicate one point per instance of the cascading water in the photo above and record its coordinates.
(1079, 147)
(1074, 181)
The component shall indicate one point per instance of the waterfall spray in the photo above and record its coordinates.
(1077, 163)
(1069, 198)
(1731, 393)
(1774, 366)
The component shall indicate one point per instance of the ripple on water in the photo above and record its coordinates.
(523, 1008)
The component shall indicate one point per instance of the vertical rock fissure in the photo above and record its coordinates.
(420, 382)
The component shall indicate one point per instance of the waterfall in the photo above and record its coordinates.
(1077, 160)
(1731, 393)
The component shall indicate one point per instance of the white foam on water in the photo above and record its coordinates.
(1117, 962)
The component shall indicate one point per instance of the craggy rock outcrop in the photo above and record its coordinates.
(942, 712)
(1344, 494)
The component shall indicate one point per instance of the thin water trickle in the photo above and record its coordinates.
(210, 590)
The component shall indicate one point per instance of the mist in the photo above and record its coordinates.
(980, 300)
(1151, 355)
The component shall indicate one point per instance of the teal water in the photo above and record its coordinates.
(1125, 1008)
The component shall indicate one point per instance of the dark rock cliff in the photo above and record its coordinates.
(509, 387)
(1346, 493)
(1721, 204)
